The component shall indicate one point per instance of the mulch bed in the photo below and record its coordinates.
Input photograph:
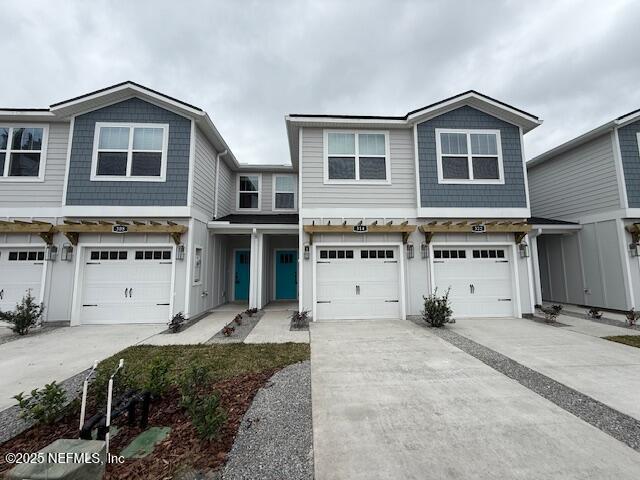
(182, 451)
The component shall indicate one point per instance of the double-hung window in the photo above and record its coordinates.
(130, 152)
(249, 192)
(22, 153)
(284, 192)
(469, 156)
(356, 157)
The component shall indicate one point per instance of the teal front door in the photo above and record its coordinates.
(241, 291)
(286, 274)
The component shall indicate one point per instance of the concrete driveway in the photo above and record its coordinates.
(31, 362)
(574, 355)
(391, 400)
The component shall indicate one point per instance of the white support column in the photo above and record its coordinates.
(533, 236)
(253, 276)
(259, 272)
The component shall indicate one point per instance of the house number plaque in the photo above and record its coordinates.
(479, 228)
(119, 229)
(360, 228)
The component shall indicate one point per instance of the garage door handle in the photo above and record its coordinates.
(502, 261)
(162, 304)
(130, 292)
(357, 289)
(504, 299)
(126, 290)
(323, 301)
(472, 288)
(1, 294)
(392, 301)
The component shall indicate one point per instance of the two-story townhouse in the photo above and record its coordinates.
(393, 208)
(592, 180)
(126, 205)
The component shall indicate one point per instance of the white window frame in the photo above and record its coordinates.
(469, 156)
(43, 153)
(275, 191)
(197, 267)
(357, 181)
(259, 175)
(128, 178)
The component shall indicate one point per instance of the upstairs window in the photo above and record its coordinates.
(22, 153)
(469, 156)
(249, 192)
(356, 157)
(130, 152)
(284, 192)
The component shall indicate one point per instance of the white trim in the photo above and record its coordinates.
(259, 267)
(249, 227)
(197, 247)
(300, 232)
(469, 156)
(128, 177)
(524, 170)
(515, 281)
(188, 273)
(259, 192)
(626, 264)
(360, 212)
(192, 161)
(401, 254)
(78, 276)
(632, 213)
(544, 228)
(4, 175)
(417, 165)
(68, 161)
(535, 262)
(529, 260)
(356, 156)
(275, 276)
(274, 191)
(467, 212)
(617, 158)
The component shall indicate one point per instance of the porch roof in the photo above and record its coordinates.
(249, 219)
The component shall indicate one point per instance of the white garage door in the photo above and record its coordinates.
(20, 271)
(480, 279)
(358, 283)
(126, 285)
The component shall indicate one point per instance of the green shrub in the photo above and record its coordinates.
(44, 406)
(26, 316)
(207, 416)
(437, 309)
(195, 377)
(157, 381)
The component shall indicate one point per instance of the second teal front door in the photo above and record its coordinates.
(286, 274)
(243, 260)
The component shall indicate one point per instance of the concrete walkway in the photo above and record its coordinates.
(391, 400)
(574, 356)
(31, 362)
(273, 327)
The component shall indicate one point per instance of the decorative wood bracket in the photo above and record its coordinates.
(45, 230)
(634, 230)
(404, 228)
(519, 236)
(518, 227)
(72, 229)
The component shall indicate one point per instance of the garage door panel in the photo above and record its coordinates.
(19, 275)
(358, 285)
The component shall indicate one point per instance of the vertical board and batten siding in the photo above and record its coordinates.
(579, 182)
(401, 193)
(226, 190)
(42, 194)
(172, 192)
(204, 174)
(511, 194)
(630, 153)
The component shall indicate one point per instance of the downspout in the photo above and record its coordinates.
(215, 194)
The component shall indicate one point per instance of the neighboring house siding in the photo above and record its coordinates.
(267, 192)
(510, 195)
(579, 182)
(226, 189)
(204, 175)
(630, 154)
(47, 193)
(401, 193)
(82, 191)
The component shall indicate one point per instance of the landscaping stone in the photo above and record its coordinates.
(240, 331)
(143, 444)
(275, 439)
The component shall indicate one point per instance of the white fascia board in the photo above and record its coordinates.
(632, 213)
(465, 212)
(546, 228)
(214, 225)
(345, 120)
(627, 119)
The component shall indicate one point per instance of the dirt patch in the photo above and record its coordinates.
(182, 451)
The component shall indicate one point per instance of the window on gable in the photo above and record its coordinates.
(249, 192)
(130, 152)
(469, 156)
(21, 150)
(356, 156)
(284, 192)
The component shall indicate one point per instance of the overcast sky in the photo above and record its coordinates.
(575, 64)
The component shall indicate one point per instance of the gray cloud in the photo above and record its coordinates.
(248, 63)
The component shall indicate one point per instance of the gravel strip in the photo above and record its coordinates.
(620, 426)
(12, 425)
(275, 439)
(241, 331)
(603, 320)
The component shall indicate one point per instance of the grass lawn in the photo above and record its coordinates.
(632, 340)
(236, 371)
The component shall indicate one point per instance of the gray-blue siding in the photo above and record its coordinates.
(174, 192)
(510, 195)
(630, 154)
